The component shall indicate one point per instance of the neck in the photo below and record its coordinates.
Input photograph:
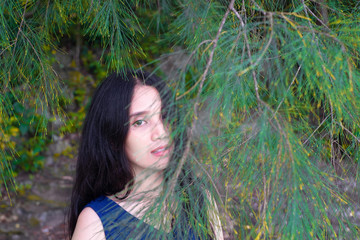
(148, 183)
(146, 188)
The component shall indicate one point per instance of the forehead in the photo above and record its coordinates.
(145, 98)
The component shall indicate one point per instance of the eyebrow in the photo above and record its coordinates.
(138, 113)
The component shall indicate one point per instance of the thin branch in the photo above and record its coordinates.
(270, 14)
(22, 21)
(17, 37)
(322, 23)
(357, 139)
(252, 65)
(6, 48)
(348, 112)
(42, 66)
(343, 48)
(186, 63)
(342, 45)
(15, 41)
(203, 77)
(325, 5)
(197, 47)
(317, 42)
(37, 55)
(243, 9)
(235, 43)
(316, 130)
(344, 151)
(292, 82)
(332, 153)
(239, 145)
(210, 178)
(259, 8)
(311, 28)
(248, 51)
(30, 14)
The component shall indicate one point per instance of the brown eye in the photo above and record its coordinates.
(139, 123)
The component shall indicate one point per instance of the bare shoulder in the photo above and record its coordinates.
(88, 226)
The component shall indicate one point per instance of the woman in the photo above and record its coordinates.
(125, 160)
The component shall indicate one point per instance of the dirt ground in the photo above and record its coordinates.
(38, 211)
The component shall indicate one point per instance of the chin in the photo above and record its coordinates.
(163, 163)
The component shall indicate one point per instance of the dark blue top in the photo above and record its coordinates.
(120, 224)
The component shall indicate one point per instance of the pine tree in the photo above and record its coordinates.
(269, 96)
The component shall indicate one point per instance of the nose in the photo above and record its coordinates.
(159, 131)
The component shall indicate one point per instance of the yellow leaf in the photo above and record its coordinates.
(14, 131)
(335, 22)
(289, 21)
(330, 73)
(294, 26)
(301, 16)
(258, 236)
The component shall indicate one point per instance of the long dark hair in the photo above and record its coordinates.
(102, 166)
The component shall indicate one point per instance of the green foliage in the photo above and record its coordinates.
(21, 140)
(282, 93)
(269, 94)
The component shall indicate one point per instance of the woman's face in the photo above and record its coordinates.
(147, 144)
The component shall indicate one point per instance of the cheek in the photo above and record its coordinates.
(135, 146)
(129, 145)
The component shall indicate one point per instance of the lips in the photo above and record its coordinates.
(160, 151)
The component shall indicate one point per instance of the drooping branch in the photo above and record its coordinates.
(324, 12)
(323, 121)
(342, 46)
(21, 24)
(187, 62)
(17, 38)
(3, 51)
(277, 118)
(347, 130)
(210, 178)
(314, 15)
(254, 64)
(292, 82)
(201, 84)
